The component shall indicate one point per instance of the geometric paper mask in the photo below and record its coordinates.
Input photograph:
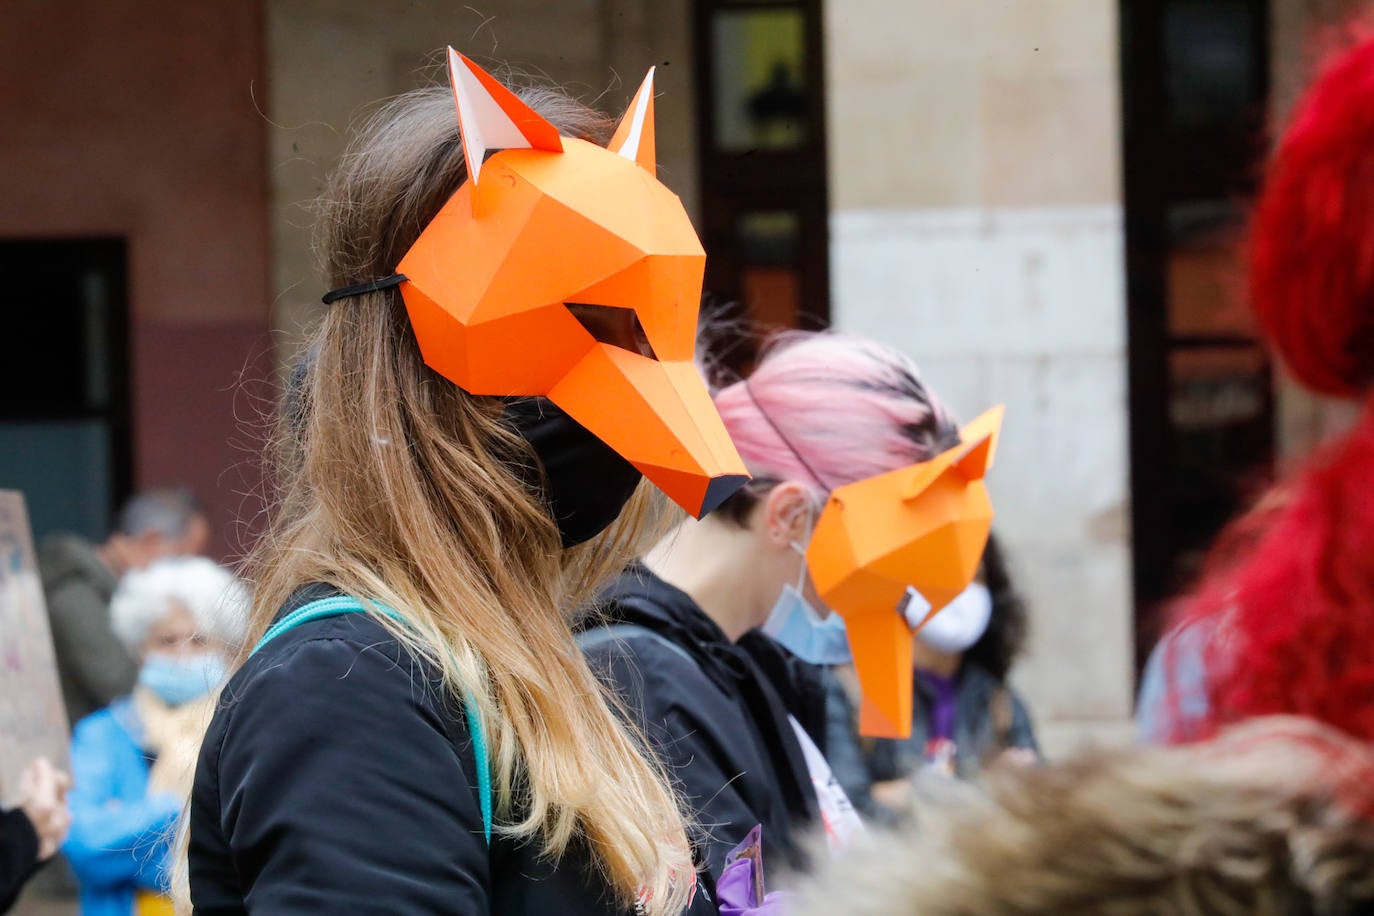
(924, 527)
(565, 270)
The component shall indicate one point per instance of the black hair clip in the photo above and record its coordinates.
(358, 289)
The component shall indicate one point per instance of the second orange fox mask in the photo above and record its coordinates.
(922, 526)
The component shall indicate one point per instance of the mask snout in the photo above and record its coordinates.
(659, 417)
(718, 490)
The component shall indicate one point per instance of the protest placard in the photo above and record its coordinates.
(33, 721)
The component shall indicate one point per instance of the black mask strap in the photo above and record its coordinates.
(796, 453)
(358, 289)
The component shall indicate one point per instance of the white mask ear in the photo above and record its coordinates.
(634, 136)
(492, 118)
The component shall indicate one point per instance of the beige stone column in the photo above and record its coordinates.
(976, 223)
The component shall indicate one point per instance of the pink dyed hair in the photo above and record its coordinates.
(827, 409)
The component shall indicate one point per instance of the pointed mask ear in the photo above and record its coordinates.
(492, 118)
(634, 136)
(981, 437)
(970, 459)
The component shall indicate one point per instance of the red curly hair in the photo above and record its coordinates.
(1312, 235)
(1293, 625)
(1290, 627)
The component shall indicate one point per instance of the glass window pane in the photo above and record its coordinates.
(1220, 444)
(1210, 47)
(767, 246)
(62, 303)
(759, 60)
(1206, 272)
(768, 237)
(1217, 386)
(773, 295)
(63, 469)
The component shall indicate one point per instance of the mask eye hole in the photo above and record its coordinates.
(615, 326)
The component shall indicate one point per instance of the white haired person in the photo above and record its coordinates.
(133, 760)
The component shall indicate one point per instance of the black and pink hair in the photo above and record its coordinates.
(826, 409)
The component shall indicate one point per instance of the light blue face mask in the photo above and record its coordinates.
(177, 681)
(800, 628)
(802, 631)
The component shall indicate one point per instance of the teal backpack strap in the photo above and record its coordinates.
(479, 751)
(318, 610)
(339, 605)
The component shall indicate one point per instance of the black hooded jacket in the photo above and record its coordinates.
(18, 855)
(337, 777)
(716, 712)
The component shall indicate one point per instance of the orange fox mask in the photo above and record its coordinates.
(565, 270)
(921, 527)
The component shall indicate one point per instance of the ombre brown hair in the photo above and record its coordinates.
(399, 487)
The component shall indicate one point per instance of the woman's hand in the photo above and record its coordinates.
(895, 794)
(1017, 757)
(43, 799)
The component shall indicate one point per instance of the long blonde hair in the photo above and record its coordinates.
(396, 485)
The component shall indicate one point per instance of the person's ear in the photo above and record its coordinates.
(787, 514)
(120, 548)
(147, 547)
(197, 537)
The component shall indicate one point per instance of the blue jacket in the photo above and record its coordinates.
(120, 839)
(1173, 689)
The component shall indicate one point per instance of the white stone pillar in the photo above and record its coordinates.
(975, 187)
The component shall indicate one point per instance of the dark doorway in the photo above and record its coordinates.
(760, 86)
(64, 381)
(1195, 85)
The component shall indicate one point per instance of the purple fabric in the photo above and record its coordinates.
(737, 889)
(945, 690)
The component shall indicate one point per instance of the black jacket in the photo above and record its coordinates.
(716, 712)
(18, 855)
(337, 778)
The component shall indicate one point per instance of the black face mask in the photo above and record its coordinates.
(585, 482)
